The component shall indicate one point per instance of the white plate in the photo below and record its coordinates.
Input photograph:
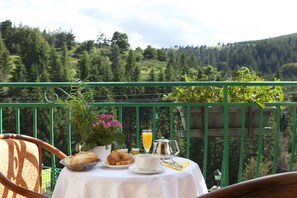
(116, 166)
(134, 169)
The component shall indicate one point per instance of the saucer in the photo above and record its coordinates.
(134, 169)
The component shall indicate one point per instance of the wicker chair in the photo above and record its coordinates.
(281, 185)
(21, 165)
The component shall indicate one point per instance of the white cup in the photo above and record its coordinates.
(147, 162)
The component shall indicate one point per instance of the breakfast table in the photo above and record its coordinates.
(110, 182)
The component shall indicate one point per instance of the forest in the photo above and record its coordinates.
(28, 54)
(56, 56)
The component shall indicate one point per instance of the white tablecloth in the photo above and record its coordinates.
(106, 182)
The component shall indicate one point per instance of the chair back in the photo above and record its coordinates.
(21, 163)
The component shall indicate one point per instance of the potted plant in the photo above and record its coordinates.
(204, 94)
(96, 131)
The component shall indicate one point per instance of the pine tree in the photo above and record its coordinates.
(105, 70)
(84, 65)
(117, 67)
(34, 51)
(130, 65)
(95, 57)
(67, 69)
(136, 73)
(7, 32)
(152, 76)
(169, 73)
(55, 66)
(5, 66)
(183, 65)
(100, 67)
(21, 94)
(19, 73)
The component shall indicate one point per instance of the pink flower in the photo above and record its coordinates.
(102, 122)
(115, 123)
(108, 116)
(106, 121)
(107, 125)
(101, 116)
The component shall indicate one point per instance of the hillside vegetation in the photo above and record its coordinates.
(56, 56)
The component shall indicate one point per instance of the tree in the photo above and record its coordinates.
(84, 65)
(136, 74)
(183, 64)
(117, 67)
(150, 53)
(67, 69)
(34, 51)
(85, 46)
(130, 65)
(120, 39)
(100, 67)
(61, 38)
(19, 74)
(7, 32)
(289, 70)
(170, 73)
(5, 66)
(161, 55)
(102, 40)
(161, 76)
(138, 54)
(152, 76)
(55, 65)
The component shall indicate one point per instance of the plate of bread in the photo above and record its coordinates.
(118, 159)
(81, 161)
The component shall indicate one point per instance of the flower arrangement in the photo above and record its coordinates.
(105, 129)
(94, 129)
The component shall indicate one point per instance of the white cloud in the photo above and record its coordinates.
(160, 23)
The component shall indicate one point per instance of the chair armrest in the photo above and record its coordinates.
(269, 185)
(20, 190)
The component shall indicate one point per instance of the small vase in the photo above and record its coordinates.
(102, 152)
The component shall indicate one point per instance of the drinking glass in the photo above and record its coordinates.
(147, 138)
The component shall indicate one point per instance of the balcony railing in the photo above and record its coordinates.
(31, 108)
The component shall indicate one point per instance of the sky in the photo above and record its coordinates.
(159, 23)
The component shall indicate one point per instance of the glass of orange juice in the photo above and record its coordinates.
(147, 138)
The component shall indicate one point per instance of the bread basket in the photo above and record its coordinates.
(80, 167)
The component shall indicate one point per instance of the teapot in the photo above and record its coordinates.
(163, 147)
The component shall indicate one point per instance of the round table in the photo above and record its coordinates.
(105, 182)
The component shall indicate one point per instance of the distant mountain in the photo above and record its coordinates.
(277, 38)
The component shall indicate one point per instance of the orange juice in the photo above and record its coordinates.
(147, 138)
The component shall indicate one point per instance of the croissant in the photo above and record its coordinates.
(114, 157)
(117, 157)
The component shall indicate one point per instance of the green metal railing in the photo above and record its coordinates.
(204, 162)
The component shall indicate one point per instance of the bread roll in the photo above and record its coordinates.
(118, 157)
(81, 158)
(114, 157)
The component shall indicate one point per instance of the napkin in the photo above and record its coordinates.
(177, 166)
